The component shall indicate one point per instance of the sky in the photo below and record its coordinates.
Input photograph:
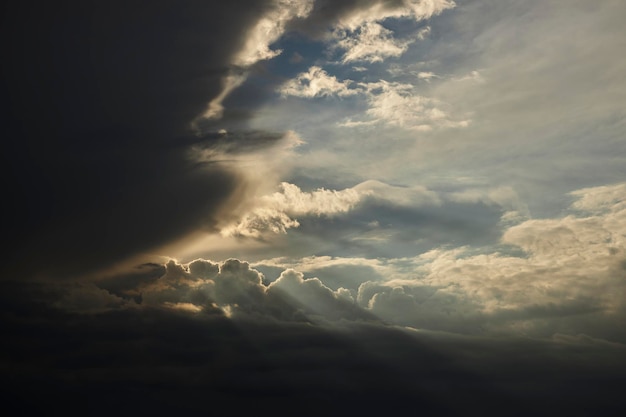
(348, 207)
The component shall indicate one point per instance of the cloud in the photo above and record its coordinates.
(423, 33)
(426, 75)
(160, 361)
(268, 29)
(397, 104)
(317, 299)
(274, 212)
(376, 11)
(316, 83)
(360, 33)
(278, 212)
(559, 285)
(90, 299)
(392, 103)
(230, 288)
(339, 273)
(99, 117)
(598, 200)
(372, 43)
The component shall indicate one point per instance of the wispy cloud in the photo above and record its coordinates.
(268, 29)
(393, 103)
(363, 38)
(372, 43)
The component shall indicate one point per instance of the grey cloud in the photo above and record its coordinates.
(423, 307)
(378, 228)
(316, 298)
(345, 276)
(236, 142)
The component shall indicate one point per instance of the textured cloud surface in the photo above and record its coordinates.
(351, 207)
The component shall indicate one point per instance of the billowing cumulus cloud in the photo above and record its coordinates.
(559, 284)
(556, 283)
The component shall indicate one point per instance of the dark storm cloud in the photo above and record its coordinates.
(163, 362)
(97, 104)
(237, 142)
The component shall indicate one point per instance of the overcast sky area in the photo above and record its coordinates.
(314, 207)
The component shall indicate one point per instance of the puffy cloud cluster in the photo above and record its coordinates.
(316, 83)
(400, 105)
(373, 43)
(548, 276)
(571, 278)
(541, 277)
(363, 38)
(231, 288)
(391, 103)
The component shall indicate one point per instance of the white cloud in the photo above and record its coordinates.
(392, 103)
(275, 212)
(398, 104)
(426, 75)
(312, 263)
(372, 43)
(381, 10)
(423, 33)
(278, 212)
(316, 83)
(268, 29)
(363, 38)
(311, 292)
(600, 199)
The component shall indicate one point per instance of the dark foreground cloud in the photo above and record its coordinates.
(163, 361)
(97, 104)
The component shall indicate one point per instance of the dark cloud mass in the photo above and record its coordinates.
(157, 361)
(98, 100)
